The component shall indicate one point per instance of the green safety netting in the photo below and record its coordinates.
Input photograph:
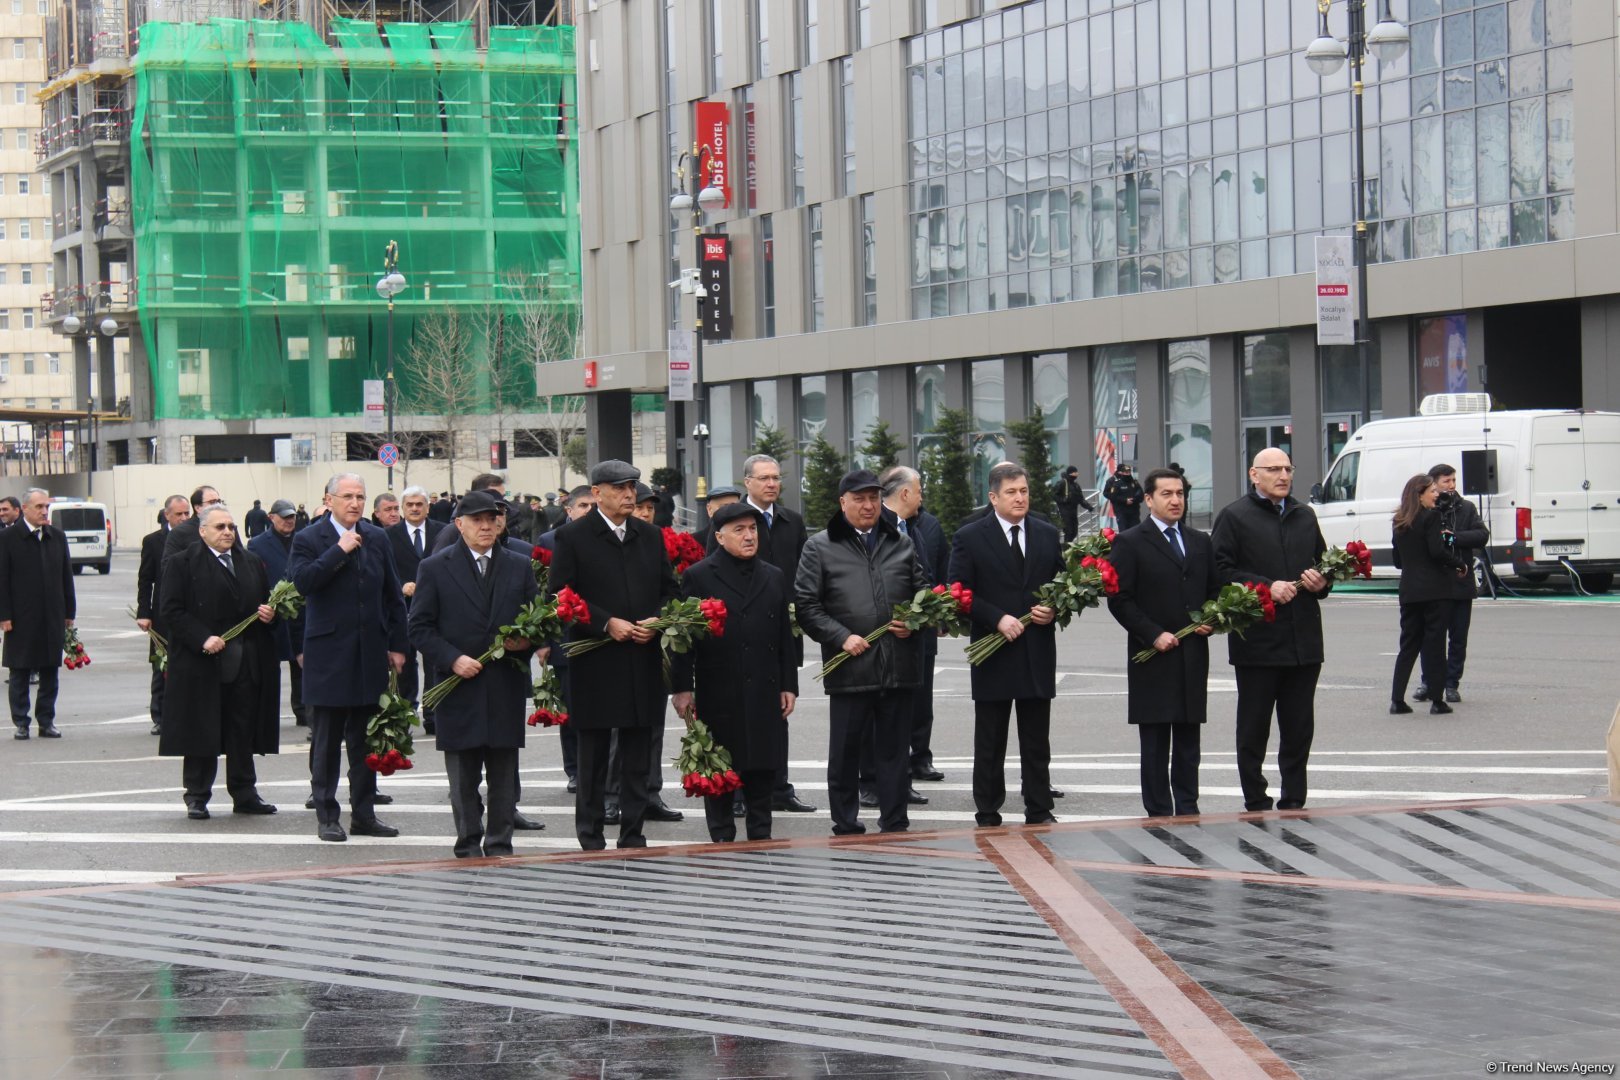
(270, 170)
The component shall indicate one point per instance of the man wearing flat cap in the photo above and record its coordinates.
(646, 504)
(274, 549)
(744, 684)
(850, 578)
(718, 497)
(464, 595)
(617, 566)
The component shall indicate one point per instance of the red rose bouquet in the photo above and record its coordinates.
(540, 563)
(682, 548)
(1099, 545)
(940, 608)
(284, 597)
(549, 708)
(1077, 587)
(1237, 608)
(704, 764)
(388, 733)
(1341, 564)
(680, 624)
(537, 621)
(73, 654)
(571, 609)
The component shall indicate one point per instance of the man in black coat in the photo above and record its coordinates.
(10, 511)
(1125, 495)
(902, 504)
(37, 605)
(1269, 537)
(1070, 496)
(1469, 535)
(226, 695)
(745, 683)
(781, 543)
(850, 578)
(576, 505)
(410, 541)
(618, 567)
(441, 509)
(1004, 558)
(719, 497)
(184, 536)
(354, 632)
(148, 589)
(463, 596)
(255, 521)
(274, 549)
(1165, 571)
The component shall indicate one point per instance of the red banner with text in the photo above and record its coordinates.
(712, 118)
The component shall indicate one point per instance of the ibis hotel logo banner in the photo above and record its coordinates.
(712, 118)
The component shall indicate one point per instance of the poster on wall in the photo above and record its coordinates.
(1443, 355)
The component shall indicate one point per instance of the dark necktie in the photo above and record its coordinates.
(902, 523)
(483, 562)
(416, 539)
(1175, 542)
(225, 561)
(1017, 552)
(871, 541)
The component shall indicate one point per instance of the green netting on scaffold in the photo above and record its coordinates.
(270, 170)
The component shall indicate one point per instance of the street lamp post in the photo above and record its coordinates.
(390, 285)
(1387, 41)
(694, 196)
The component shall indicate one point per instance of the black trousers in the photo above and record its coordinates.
(991, 720)
(1423, 634)
(1462, 617)
(333, 729)
(154, 706)
(1070, 516)
(497, 767)
(756, 793)
(1169, 768)
(296, 678)
(237, 702)
(410, 678)
(1129, 516)
(590, 801)
(567, 738)
(884, 716)
(655, 758)
(922, 711)
(1290, 692)
(44, 701)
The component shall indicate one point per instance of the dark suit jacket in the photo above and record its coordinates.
(982, 560)
(739, 678)
(1158, 591)
(620, 684)
(201, 599)
(36, 595)
(556, 658)
(452, 615)
(354, 615)
(274, 553)
(183, 537)
(149, 579)
(1428, 567)
(406, 559)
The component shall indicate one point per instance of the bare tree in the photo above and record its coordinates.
(543, 327)
(443, 369)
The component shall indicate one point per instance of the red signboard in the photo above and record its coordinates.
(712, 117)
(590, 374)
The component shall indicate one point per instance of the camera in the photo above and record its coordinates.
(1448, 504)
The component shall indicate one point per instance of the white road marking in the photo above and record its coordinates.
(87, 877)
(308, 839)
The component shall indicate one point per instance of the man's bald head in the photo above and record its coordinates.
(1272, 473)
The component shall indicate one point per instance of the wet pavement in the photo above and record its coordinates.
(1387, 942)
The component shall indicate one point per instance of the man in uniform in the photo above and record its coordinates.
(1125, 495)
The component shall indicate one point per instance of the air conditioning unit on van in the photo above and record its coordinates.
(1451, 404)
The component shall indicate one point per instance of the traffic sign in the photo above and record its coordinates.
(388, 455)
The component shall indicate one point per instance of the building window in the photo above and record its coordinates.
(811, 21)
(1263, 395)
(18, 50)
(4, 274)
(2, 230)
(717, 44)
(5, 320)
(927, 401)
(53, 363)
(868, 308)
(5, 360)
(863, 413)
(27, 275)
(767, 260)
(812, 411)
(762, 35)
(763, 408)
(795, 136)
(861, 20)
(989, 401)
(19, 94)
(28, 363)
(1113, 409)
(22, 185)
(2, 185)
(1049, 388)
(818, 271)
(25, 229)
(846, 116)
(1187, 421)
(28, 318)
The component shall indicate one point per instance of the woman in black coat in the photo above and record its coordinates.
(1429, 572)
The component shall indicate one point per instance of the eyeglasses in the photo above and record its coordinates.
(351, 496)
(1286, 470)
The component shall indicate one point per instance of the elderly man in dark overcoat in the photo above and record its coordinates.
(464, 595)
(273, 548)
(618, 567)
(354, 632)
(1004, 557)
(37, 605)
(148, 592)
(1166, 570)
(743, 684)
(223, 695)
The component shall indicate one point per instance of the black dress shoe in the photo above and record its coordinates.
(987, 821)
(1257, 808)
(21, 733)
(1452, 695)
(854, 830)
(429, 728)
(50, 732)
(372, 828)
(157, 728)
(1436, 708)
(1289, 804)
(332, 831)
(309, 803)
(1399, 708)
(915, 797)
(1421, 693)
(739, 809)
(657, 811)
(1044, 819)
(610, 816)
(573, 785)
(929, 773)
(794, 805)
(521, 822)
(196, 812)
(382, 800)
(868, 797)
(1056, 794)
(257, 806)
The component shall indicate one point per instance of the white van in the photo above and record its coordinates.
(89, 536)
(1552, 505)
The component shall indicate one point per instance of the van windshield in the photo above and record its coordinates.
(80, 519)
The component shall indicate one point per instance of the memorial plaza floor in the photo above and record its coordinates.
(1441, 940)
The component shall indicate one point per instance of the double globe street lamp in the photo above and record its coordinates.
(390, 285)
(1388, 41)
(696, 197)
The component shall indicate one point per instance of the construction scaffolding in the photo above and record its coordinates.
(270, 169)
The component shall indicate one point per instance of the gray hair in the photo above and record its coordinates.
(338, 478)
(897, 479)
(414, 489)
(1004, 472)
(31, 492)
(754, 459)
(172, 499)
(382, 497)
(210, 510)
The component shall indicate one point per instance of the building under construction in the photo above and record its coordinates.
(225, 179)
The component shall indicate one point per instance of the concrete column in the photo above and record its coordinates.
(1396, 366)
(1081, 451)
(1305, 408)
(608, 432)
(1149, 407)
(106, 372)
(1600, 353)
(1226, 448)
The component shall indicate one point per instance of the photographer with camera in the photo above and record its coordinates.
(1466, 535)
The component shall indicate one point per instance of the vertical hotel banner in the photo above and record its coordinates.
(1335, 317)
(712, 117)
